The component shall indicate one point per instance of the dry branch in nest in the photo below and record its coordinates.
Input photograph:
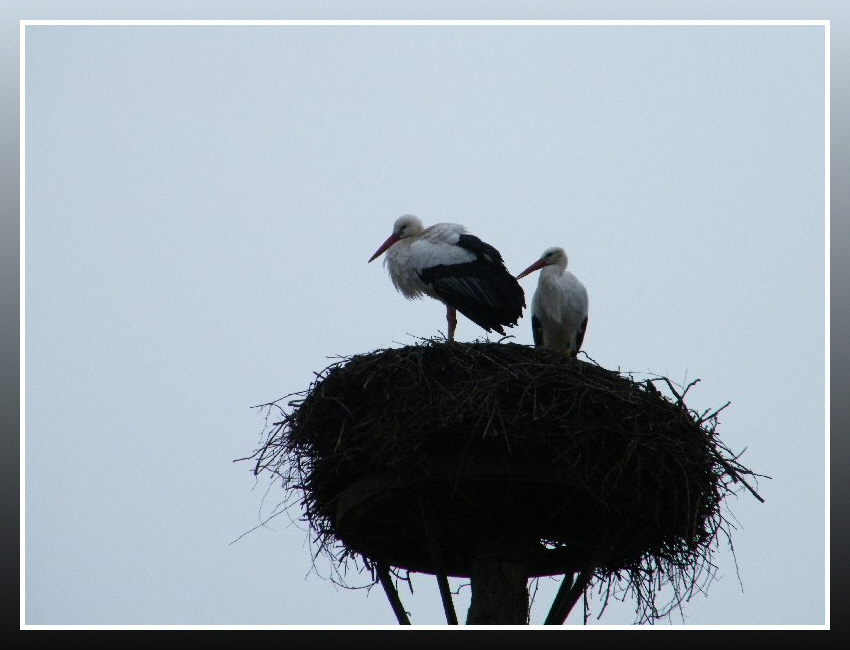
(420, 457)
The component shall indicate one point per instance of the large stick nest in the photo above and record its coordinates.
(413, 456)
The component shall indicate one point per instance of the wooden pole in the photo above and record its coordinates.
(442, 578)
(499, 587)
(568, 594)
(392, 594)
(446, 595)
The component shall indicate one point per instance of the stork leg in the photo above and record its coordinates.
(451, 319)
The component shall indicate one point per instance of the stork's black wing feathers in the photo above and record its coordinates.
(482, 290)
(580, 335)
(537, 331)
(483, 251)
(488, 297)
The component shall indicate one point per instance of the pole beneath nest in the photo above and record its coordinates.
(446, 596)
(392, 595)
(499, 587)
(568, 594)
(442, 578)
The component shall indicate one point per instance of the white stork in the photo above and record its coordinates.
(447, 263)
(559, 305)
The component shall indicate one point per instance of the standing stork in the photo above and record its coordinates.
(447, 263)
(559, 305)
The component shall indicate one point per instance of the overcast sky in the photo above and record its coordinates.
(200, 205)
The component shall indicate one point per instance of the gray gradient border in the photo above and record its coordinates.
(836, 11)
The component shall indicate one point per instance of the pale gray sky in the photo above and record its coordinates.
(200, 205)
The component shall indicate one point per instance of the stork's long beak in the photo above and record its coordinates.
(539, 264)
(392, 239)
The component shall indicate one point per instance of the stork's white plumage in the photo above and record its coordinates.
(445, 262)
(559, 305)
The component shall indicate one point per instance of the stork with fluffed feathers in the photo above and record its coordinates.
(559, 305)
(445, 262)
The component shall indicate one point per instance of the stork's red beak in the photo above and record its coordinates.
(392, 239)
(539, 264)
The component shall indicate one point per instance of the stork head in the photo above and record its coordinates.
(406, 225)
(555, 256)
